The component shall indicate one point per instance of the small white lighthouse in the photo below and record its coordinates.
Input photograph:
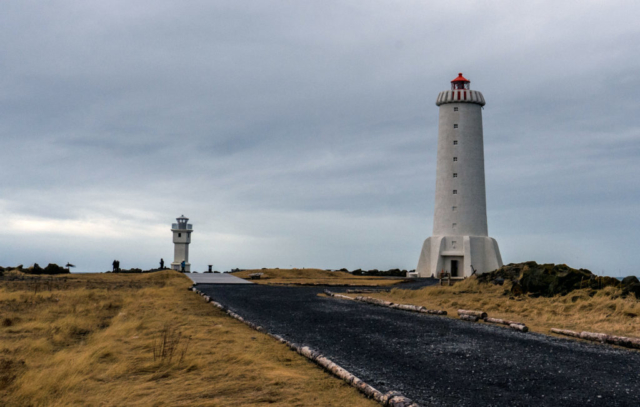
(181, 239)
(460, 242)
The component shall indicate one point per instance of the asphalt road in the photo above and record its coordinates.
(441, 361)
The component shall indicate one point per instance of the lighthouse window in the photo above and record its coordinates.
(455, 109)
(455, 158)
(455, 175)
(455, 126)
(179, 234)
(455, 142)
(454, 225)
(455, 192)
(453, 208)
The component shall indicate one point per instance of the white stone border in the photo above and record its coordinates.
(465, 315)
(624, 341)
(383, 303)
(389, 399)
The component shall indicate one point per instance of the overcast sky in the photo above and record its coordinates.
(303, 133)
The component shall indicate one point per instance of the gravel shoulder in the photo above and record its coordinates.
(441, 361)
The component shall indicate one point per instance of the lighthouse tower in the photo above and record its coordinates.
(181, 239)
(460, 242)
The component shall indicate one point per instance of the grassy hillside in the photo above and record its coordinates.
(142, 340)
(582, 310)
(314, 276)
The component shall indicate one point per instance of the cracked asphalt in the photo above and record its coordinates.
(441, 361)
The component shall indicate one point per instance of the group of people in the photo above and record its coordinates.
(116, 265)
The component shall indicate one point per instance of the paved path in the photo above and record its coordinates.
(216, 278)
(441, 361)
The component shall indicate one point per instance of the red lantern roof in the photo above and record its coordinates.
(460, 78)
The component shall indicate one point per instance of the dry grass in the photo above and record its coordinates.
(144, 340)
(604, 311)
(315, 277)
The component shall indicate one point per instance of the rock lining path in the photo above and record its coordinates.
(441, 361)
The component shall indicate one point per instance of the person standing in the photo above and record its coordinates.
(161, 264)
(114, 264)
(182, 265)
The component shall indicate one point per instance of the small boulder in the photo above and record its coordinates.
(632, 288)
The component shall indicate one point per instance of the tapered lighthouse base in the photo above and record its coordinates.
(458, 255)
(178, 266)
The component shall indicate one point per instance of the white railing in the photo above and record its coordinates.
(184, 227)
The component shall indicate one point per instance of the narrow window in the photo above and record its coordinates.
(455, 175)
(454, 225)
(453, 208)
(455, 126)
(455, 109)
(453, 244)
(455, 192)
(179, 234)
(455, 142)
(455, 158)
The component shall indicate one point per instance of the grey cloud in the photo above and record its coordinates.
(304, 133)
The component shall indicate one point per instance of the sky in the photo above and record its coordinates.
(303, 134)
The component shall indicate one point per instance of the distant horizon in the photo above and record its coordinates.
(205, 270)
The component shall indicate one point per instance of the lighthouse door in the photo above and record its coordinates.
(454, 268)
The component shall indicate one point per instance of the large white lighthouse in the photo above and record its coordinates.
(460, 242)
(181, 239)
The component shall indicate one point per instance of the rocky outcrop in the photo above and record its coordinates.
(551, 279)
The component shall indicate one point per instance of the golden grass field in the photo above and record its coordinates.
(315, 277)
(604, 312)
(98, 340)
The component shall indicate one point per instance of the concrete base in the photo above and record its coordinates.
(178, 267)
(448, 253)
(216, 278)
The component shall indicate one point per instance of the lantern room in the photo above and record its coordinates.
(460, 82)
(182, 224)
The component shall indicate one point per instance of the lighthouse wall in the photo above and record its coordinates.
(460, 201)
(181, 241)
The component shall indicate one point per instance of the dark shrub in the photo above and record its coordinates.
(35, 269)
(53, 268)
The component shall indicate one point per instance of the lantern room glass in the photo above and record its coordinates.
(460, 85)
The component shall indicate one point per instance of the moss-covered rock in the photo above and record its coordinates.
(550, 279)
(631, 285)
(547, 279)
